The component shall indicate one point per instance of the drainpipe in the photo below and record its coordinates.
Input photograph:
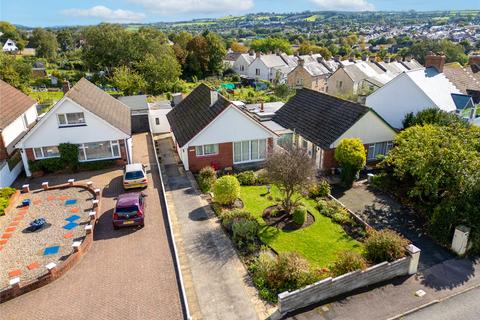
(28, 173)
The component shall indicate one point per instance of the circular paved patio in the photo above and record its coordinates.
(24, 254)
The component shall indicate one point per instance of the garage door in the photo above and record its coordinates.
(140, 123)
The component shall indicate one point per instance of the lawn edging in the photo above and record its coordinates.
(55, 271)
(355, 216)
(333, 287)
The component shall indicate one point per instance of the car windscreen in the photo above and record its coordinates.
(130, 211)
(132, 175)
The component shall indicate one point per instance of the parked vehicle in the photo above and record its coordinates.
(134, 176)
(129, 210)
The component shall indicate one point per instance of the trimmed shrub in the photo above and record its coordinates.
(286, 272)
(346, 262)
(229, 217)
(323, 207)
(299, 215)
(247, 178)
(206, 179)
(384, 245)
(226, 190)
(69, 155)
(320, 189)
(47, 165)
(341, 216)
(244, 232)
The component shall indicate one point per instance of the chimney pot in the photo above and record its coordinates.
(66, 86)
(301, 62)
(213, 97)
(475, 59)
(257, 54)
(436, 61)
(262, 109)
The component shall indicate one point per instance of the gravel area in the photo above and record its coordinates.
(23, 249)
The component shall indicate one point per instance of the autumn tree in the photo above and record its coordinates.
(293, 172)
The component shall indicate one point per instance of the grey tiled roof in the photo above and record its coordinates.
(319, 117)
(194, 113)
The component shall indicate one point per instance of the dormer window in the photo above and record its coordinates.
(71, 119)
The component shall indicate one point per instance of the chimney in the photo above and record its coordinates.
(257, 54)
(387, 59)
(364, 57)
(213, 97)
(398, 58)
(301, 62)
(436, 61)
(351, 58)
(251, 52)
(473, 113)
(262, 109)
(474, 59)
(66, 86)
(372, 58)
(408, 58)
(336, 58)
(176, 98)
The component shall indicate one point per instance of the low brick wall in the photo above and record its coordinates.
(332, 287)
(60, 269)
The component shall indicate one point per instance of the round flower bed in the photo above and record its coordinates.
(276, 217)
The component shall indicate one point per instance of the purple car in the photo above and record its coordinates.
(129, 210)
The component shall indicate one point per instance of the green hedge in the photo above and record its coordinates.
(5, 194)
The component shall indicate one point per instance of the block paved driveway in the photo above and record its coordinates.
(126, 274)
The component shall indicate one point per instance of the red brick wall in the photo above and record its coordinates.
(223, 159)
(3, 150)
(329, 159)
(30, 155)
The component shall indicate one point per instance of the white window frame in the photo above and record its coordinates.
(66, 124)
(81, 149)
(202, 152)
(374, 146)
(250, 151)
(43, 153)
(257, 71)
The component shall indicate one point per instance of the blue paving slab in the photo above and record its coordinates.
(69, 202)
(51, 250)
(72, 218)
(70, 226)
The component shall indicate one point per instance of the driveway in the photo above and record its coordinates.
(382, 211)
(126, 274)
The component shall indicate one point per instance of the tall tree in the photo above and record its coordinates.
(128, 81)
(217, 52)
(271, 45)
(45, 43)
(9, 31)
(16, 72)
(160, 71)
(65, 39)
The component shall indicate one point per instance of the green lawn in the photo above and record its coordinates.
(319, 243)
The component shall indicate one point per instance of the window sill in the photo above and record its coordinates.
(249, 161)
(208, 155)
(72, 125)
(100, 159)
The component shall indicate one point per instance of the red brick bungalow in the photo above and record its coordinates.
(209, 130)
(320, 121)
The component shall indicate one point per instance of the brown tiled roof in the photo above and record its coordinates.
(194, 113)
(102, 104)
(462, 77)
(13, 103)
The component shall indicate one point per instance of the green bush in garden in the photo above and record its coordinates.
(299, 215)
(384, 245)
(320, 189)
(229, 217)
(5, 194)
(247, 178)
(206, 179)
(341, 216)
(226, 190)
(347, 261)
(244, 232)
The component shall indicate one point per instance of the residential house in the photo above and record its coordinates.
(465, 78)
(230, 58)
(18, 113)
(270, 67)
(86, 116)
(413, 91)
(139, 111)
(320, 121)
(10, 46)
(242, 62)
(311, 75)
(209, 130)
(39, 70)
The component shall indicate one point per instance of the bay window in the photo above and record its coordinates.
(98, 150)
(46, 152)
(250, 150)
(375, 150)
(206, 150)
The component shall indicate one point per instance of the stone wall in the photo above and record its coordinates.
(332, 287)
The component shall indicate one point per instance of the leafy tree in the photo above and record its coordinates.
(283, 91)
(65, 39)
(16, 72)
(160, 72)
(217, 52)
(198, 57)
(453, 52)
(271, 45)
(9, 31)
(306, 48)
(351, 156)
(293, 172)
(128, 80)
(432, 116)
(238, 47)
(226, 190)
(45, 43)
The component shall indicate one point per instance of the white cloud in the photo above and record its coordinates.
(344, 5)
(173, 7)
(106, 14)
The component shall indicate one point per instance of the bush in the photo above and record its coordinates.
(244, 232)
(341, 216)
(320, 189)
(262, 177)
(229, 217)
(3, 205)
(324, 208)
(384, 245)
(5, 194)
(299, 215)
(287, 272)
(346, 262)
(226, 190)
(69, 155)
(47, 165)
(206, 179)
(247, 178)
(351, 156)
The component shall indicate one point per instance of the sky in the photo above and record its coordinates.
(43, 13)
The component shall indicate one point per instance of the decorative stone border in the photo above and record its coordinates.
(54, 271)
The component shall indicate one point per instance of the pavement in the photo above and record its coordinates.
(213, 274)
(464, 306)
(126, 274)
